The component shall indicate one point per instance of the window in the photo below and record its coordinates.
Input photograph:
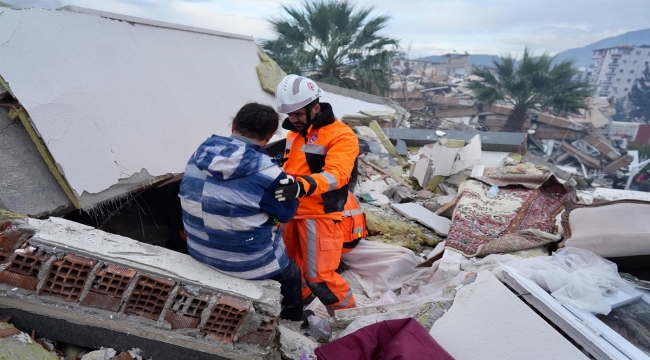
(621, 71)
(618, 79)
(629, 80)
(638, 53)
(631, 71)
(624, 61)
(615, 88)
(634, 62)
(625, 89)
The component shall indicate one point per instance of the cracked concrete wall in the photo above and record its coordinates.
(113, 100)
(26, 184)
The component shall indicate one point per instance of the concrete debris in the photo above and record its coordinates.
(424, 194)
(413, 184)
(418, 213)
(293, 344)
(399, 194)
(389, 228)
(502, 325)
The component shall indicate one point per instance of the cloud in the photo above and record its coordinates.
(433, 26)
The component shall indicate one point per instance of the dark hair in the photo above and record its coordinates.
(313, 103)
(256, 121)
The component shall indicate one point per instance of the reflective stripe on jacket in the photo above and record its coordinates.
(323, 160)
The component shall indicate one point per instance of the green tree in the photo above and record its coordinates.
(533, 82)
(335, 42)
(639, 96)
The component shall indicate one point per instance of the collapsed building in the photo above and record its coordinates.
(588, 144)
(461, 220)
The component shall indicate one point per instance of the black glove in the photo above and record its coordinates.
(279, 160)
(289, 189)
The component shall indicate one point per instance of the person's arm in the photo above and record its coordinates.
(339, 163)
(284, 211)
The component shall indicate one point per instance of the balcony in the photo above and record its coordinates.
(616, 55)
(612, 64)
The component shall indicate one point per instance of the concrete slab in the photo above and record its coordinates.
(490, 141)
(97, 244)
(109, 114)
(61, 324)
(500, 326)
(26, 184)
(422, 215)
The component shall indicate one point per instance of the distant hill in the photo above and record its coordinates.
(583, 55)
(478, 60)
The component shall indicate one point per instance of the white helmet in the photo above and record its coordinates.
(295, 92)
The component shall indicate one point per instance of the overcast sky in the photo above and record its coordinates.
(432, 27)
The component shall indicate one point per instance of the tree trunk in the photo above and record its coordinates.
(516, 119)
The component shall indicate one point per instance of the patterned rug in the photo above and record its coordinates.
(516, 219)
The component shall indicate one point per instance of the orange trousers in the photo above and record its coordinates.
(315, 246)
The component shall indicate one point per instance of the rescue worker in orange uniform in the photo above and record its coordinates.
(321, 152)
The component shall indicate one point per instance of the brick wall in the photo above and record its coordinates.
(157, 300)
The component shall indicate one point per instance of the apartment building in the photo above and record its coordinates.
(616, 68)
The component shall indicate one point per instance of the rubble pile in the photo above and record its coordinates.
(458, 208)
(588, 145)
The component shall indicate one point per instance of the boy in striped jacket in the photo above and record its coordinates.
(230, 214)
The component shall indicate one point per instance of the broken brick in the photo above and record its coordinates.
(226, 318)
(8, 332)
(178, 321)
(101, 301)
(5, 225)
(123, 356)
(9, 241)
(261, 337)
(67, 277)
(149, 296)
(188, 304)
(24, 282)
(112, 280)
(27, 264)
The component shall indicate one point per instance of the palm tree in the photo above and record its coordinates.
(335, 42)
(534, 82)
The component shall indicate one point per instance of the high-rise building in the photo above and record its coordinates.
(616, 68)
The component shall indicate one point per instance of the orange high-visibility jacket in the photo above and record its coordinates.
(322, 160)
(353, 224)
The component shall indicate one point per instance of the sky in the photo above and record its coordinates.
(424, 27)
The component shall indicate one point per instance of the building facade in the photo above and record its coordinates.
(615, 69)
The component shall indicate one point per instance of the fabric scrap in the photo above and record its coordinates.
(387, 340)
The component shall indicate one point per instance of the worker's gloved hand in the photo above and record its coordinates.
(289, 189)
(279, 160)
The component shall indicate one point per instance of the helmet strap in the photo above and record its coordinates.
(305, 128)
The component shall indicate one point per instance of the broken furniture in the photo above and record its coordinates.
(610, 229)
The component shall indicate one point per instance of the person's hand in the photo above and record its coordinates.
(279, 160)
(289, 189)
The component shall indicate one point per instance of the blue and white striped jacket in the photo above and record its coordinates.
(229, 205)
